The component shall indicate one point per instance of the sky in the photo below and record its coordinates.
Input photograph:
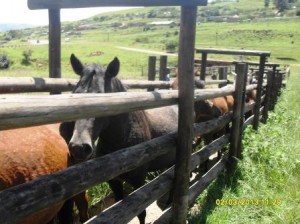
(17, 12)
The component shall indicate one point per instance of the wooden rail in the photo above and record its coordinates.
(233, 52)
(34, 84)
(60, 4)
(15, 113)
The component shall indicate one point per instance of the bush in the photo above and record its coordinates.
(26, 60)
(171, 46)
(4, 62)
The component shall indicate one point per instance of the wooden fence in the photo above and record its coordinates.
(35, 84)
(22, 111)
(44, 109)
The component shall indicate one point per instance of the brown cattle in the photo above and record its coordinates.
(28, 153)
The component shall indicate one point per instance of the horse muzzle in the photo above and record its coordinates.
(81, 152)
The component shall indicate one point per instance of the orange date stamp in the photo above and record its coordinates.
(247, 202)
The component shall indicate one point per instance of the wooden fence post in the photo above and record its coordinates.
(163, 67)
(280, 78)
(186, 111)
(238, 110)
(54, 44)
(262, 63)
(273, 87)
(223, 75)
(151, 70)
(203, 66)
(268, 96)
(276, 88)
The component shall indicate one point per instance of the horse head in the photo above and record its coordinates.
(94, 78)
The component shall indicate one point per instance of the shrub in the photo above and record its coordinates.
(171, 46)
(26, 60)
(4, 62)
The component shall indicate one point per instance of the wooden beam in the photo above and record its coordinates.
(34, 84)
(151, 70)
(30, 110)
(203, 66)
(163, 60)
(60, 4)
(54, 44)
(233, 52)
(238, 111)
(262, 62)
(186, 113)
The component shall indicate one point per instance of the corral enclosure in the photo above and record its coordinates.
(48, 109)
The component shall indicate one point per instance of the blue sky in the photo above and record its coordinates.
(16, 11)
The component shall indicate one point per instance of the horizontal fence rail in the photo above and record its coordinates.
(32, 84)
(60, 4)
(15, 113)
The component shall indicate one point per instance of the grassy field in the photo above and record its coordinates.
(280, 36)
(269, 171)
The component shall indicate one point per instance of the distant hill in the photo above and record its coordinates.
(13, 26)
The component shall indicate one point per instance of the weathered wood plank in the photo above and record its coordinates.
(262, 62)
(35, 84)
(59, 4)
(30, 110)
(151, 70)
(233, 52)
(238, 110)
(186, 112)
(54, 44)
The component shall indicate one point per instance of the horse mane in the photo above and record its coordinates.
(117, 85)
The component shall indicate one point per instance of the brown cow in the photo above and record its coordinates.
(28, 153)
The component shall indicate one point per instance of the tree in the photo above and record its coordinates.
(4, 62)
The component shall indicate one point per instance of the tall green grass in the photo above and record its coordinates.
(269, 170)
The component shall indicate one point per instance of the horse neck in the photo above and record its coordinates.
(123, 131)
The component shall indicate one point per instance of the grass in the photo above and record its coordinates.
(269, 170)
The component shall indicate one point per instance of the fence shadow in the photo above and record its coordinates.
(215, 191)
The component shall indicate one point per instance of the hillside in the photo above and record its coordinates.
(232, 24)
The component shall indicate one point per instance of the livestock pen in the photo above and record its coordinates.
(22, 111)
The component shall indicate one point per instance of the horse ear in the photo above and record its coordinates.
(76, 64)
(113, 68)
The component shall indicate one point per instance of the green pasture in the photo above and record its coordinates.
(268, 175)
(280, 36)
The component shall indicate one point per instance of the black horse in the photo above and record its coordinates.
(119, 131)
